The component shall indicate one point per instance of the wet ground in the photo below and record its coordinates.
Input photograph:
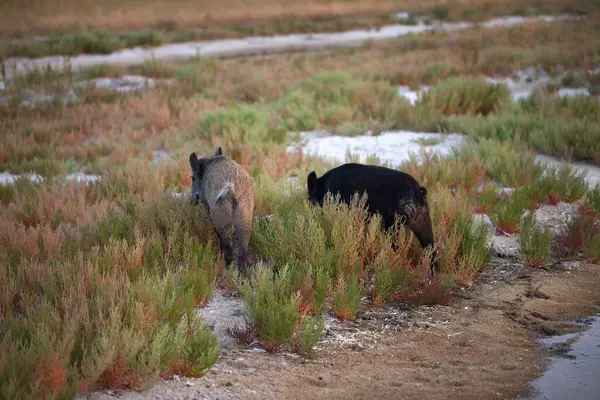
(574, 371)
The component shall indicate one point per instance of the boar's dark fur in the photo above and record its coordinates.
(389, 193)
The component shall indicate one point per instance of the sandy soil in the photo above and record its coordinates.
(480, 346)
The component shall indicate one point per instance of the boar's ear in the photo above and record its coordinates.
(423, 191)
(311, 182)
(219, 152)
(193, 161)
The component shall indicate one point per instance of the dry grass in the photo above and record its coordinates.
(36, 16)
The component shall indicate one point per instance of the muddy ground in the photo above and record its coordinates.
(480, 346)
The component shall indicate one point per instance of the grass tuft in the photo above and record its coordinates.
(534, 241)
(461, 95)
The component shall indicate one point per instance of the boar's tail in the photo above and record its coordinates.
(226, 191)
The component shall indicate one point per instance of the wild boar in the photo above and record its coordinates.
(389, 193)
(226, 189)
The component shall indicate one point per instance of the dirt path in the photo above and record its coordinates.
(482, 346)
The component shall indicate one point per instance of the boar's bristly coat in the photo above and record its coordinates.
(389, 193)
(226, 189)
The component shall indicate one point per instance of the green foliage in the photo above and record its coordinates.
(534, 241)
(346, 297)
(509, 212)
(564, 183)
(591, 248)
(437, 71)
(243, 124)
(567, 127)
(271, 306)
(310, 333)
(335, 99)
(88, 41)
(143, 38)
(458, 95)
(507, 163)
(592, 199)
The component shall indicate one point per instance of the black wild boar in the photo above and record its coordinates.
(226, 189)
(389, 192)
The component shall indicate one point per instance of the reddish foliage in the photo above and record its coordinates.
(179, 368)
(582, 228)
(425, 294)
(481, 209)
(587, 210)
(553, 198)
(343, 314)
(119, 376)
(50, 375)
(508, 228)
(535, 262)
(376, 299)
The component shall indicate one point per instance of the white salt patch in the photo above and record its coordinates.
(6, 178)
(123, 84)
(591, 172)
(526, 82)
(2, 85)
(412, 95)
(402, 16)
(571, 92)
(160, 155)
(251, 45)
(81, 177)
(221, 313)
(393, 147)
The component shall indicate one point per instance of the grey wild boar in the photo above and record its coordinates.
(226, 189)
(389, 193)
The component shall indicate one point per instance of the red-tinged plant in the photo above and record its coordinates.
(119, 376)
(425, 294)
(553, 198)
(50, 375)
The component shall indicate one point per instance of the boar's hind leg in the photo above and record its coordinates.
(221, 218)
(242, 225)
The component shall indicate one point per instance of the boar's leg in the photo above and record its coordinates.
(221, 219)
(242, 225)
(226, 249)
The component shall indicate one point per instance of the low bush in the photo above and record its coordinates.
(534, 241)
(462, 95)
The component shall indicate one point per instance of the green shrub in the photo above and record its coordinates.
(508, 163)
(438, 71)
(591, 248)
(592, 199)
(346, 297)
(271, 307)
(94, 41)
(242, 124)
(563, 184)
(534, 241)
(509, 212)
(310, 332)
(458, 95)
(143, 38)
